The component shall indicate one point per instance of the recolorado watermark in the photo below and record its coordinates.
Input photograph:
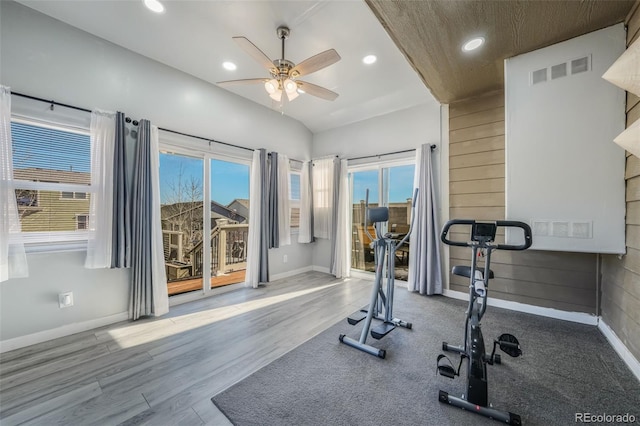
(604, 418)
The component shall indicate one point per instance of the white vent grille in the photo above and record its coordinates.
(581, 229)
(558, 71)
(580, 65)
(540, 228)
(560, 229)
(574, 66)
(539, 76)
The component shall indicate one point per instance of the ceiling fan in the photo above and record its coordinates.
(284, 73)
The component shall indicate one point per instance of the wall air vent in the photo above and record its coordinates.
(539, 76)
(580, 65)
(558, 71)
(574, 66)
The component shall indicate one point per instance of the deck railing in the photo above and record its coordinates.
(228, 253)
(229, 248)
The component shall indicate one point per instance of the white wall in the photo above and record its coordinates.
(398, 131)
(43, 57)
(568, 124)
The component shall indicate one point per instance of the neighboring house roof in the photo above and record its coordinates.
(243, 201)
(240, 206)
(49, 175)
(218, 211)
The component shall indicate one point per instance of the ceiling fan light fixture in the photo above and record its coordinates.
(473, 44)
(292, 95)
(290, 86)
(154, 6)
(272, 86)
(276, 96)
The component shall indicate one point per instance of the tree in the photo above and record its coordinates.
(182, 210)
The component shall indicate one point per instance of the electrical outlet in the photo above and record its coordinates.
(285, 259)
(65, 300)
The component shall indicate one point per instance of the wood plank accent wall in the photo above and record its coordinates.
(565, 281)
(621, 277)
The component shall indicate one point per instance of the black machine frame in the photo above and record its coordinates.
(473, 349)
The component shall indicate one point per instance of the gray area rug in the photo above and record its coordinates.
(566, 368)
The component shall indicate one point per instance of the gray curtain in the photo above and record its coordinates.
(121, 240)
(272, 193)
(263, 275)
(334, 211)
(141, 296)
(425, 268)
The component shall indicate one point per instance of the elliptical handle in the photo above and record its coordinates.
(451, 223)
(413, 215)
(515, 224)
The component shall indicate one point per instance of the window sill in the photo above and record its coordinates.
(30, 248)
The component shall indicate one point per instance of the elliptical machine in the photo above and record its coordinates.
(482, 244)
(381, 301)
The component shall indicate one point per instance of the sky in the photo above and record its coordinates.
(228, 180)
(231, 180)
(400, 184)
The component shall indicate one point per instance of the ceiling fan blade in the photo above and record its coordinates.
(318, 91)
(254, 52)
(242, 82)
(315, 63)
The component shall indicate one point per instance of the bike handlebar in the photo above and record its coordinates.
(503, 223)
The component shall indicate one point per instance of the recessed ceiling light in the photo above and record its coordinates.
(473, 44)
(369, 59)
(229, 66)
(154, 6)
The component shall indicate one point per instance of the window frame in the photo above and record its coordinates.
(51, 241)
(294, 203)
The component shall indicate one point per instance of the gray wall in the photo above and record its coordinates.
(43, 57)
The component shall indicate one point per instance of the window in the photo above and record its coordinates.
(294, 198)
(66, 195)
(389, 185)
(51, 165)
(82, 221)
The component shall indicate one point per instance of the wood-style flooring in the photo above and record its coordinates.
(163, 371)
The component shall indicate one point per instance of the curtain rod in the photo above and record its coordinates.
(135, 123)
(387, 153)
(205, 139)
(51, 102)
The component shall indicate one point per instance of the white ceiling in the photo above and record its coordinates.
(196, 37)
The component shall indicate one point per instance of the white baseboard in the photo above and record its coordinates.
(363, 275)
(620, 348)
(288, 274)
(65, 330)
(321, 269)
(579, 317)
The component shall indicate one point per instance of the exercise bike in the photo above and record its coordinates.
(482, 244)
(381, 301)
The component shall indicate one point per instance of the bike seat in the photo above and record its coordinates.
(465, 271)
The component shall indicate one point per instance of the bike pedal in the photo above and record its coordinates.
(446, 370)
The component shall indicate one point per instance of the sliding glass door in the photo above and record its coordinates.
(204, 226)
(181, 201)
(229, 221)
(389, 186)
